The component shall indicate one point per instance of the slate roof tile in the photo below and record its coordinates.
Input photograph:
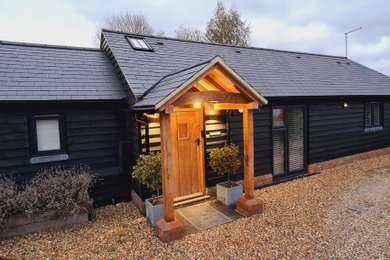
(42, 72)
(273, 73)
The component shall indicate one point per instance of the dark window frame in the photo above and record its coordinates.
(284, 129)
(34, 137)
(370, 109)
(129, 37)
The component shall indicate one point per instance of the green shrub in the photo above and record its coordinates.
(225, 160)
(56, 191)
(148, 171)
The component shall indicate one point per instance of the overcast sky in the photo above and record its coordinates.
(309, 26)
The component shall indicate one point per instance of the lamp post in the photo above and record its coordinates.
(346, 40)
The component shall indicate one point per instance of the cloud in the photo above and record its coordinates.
(299, 25)
(33, 22)
(269, 32)
(382, 46)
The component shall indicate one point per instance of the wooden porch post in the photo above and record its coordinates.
(166, 163)
(248, 153)
(167, 228)
(249, 205)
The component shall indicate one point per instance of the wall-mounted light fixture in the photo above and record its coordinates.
(240, 110)
(345, 105)
(196, 105)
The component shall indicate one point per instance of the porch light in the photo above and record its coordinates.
(345, 105)
(240, 110)
(197, 105)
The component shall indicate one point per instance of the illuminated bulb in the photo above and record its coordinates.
(197, 105)
(345, 104)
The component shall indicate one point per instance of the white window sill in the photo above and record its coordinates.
(49, 158)
(373, 129)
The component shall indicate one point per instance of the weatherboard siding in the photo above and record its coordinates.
(335, 131)
(262, 142)
(93, 135)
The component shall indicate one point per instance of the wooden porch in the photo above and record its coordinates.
(213, 87)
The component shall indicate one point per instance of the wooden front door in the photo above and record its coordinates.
(187, 127)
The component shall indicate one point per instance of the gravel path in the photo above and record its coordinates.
(304, 219)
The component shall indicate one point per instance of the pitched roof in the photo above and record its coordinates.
(34, 72)
(169, 85)
(273, 73)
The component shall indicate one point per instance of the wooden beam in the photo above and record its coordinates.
(207, 85)
(167, 109)
(237, 84)
(200, 87)
(220, 78)
(208, 96)
(178, 93)
(248, 154)
(224, 106)
(167, 166)
(215, 84)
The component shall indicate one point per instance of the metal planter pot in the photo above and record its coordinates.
(153, 213)
(229, 196)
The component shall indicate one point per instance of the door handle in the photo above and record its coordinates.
(198, 141)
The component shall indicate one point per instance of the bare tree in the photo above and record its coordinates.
(129, 22)
(136, 23)
(226, 27)
(185, 33)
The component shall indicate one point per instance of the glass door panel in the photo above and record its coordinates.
(279, 144)
(295, 138)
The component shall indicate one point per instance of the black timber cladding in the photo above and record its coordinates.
(332, 131)
(262, 139)
(335, 131)
(94, 133)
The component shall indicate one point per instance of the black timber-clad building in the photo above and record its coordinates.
(65, 106)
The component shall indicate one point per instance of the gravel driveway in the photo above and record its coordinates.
(304, 219)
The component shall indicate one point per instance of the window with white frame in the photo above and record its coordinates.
(139, 43)
(47, 134)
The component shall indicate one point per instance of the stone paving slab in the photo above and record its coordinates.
(205, 215)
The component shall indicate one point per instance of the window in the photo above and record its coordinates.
(278, 117)
(47, 135)
(182, 131)
(373, 115)
(139, 43)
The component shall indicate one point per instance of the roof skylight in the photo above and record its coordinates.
(139, 43)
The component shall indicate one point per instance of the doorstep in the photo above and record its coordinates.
(205, 215)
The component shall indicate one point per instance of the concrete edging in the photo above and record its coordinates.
(21, 224)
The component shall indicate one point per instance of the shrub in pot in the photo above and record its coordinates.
(148, 171)
(224, 161)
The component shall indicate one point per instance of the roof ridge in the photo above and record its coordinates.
(176, 72)
(226, 45)
(51, 46)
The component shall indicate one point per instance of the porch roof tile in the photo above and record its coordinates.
(168, 84)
